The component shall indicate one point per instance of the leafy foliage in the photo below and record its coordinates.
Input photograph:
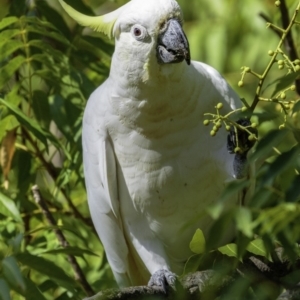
(43, 64)
(49, 66)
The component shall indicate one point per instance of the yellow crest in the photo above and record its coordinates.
(104, 24)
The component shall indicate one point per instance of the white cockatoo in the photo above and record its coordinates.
(151, 167)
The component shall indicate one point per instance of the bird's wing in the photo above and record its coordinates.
(101, 184)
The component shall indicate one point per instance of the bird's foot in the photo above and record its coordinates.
(239, 142)
(162, 279)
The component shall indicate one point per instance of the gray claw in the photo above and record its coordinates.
(162, 279)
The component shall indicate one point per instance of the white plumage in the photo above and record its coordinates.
(150, 165)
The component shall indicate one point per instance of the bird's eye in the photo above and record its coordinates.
(139, 32)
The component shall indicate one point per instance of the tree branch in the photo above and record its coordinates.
(54, 174)
(79, 276)
(255, 271)
(289, 41)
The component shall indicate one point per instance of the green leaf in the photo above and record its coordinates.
(293, 193)
(42, 24)
(75, 251)
(32, 291)
(281, 163)
(51, 34)
(233, 187)
(243, 219)
(265, 145)
(47, 268)
(39, 132)
(284, 82)
(10, 68)
(197, 244)
(192, 264)
(52, 14)
(296, 107)
(220, 230)
(29, 123)
(62, 228)
(47, 49)
(41, 108)
(261, 197)
(11, 208)
(7, 22)
(6, 124)
(8, 34)
(12, 273)
(4, 290)
(215, 210)
(229, 250)
(257, 247)
(9, 47)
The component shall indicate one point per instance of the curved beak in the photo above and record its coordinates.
(172, 44)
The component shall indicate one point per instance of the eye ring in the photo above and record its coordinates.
(139, 32)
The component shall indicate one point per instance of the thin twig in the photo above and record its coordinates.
(79, 276)
(268, 20)
(54, 174)
(273, 58)
(289, 41)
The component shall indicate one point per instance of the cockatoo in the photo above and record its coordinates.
(151, 167)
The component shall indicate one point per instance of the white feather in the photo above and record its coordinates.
(150, 165)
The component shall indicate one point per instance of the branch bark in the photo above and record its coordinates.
(79, 276)
(289, 42)
(209, 284)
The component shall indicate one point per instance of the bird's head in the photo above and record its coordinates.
(143, 31)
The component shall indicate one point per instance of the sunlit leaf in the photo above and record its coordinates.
(197, 244)
(9, 47)
(6, 124)
(243, 219)
(229, 250)
(29, 123)
(11, 208)
(47, 268)
(257, 247)
(75, 251)
(52, 228)
(9, 34)
(5, 22)
(10, 68)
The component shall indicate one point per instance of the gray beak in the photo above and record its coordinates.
(172, 45)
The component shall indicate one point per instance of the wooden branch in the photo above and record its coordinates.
(79, 276)
(190, 287)
(211, 284)
(289, 42)
(268, 20)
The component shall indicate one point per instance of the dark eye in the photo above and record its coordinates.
(137, 32)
